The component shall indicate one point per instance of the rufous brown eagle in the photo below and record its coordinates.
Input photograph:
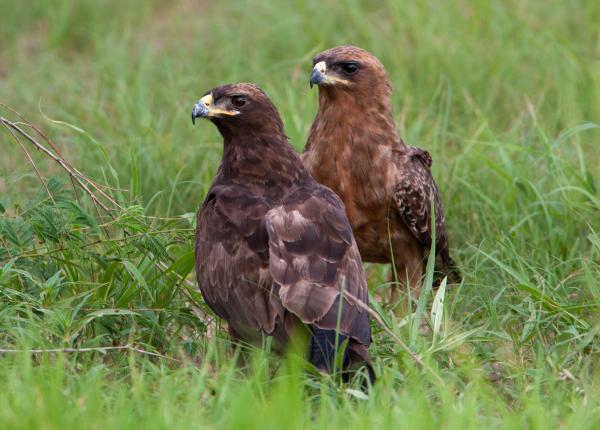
(386, 185)
(274, 248)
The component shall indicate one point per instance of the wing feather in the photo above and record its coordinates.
(314, 259)
(232, 264)
(413, 196)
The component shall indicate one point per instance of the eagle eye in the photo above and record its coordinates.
(350, 68)
(238, 101)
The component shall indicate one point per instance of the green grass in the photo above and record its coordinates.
(504, 94)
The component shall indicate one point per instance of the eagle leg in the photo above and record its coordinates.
(407, 275)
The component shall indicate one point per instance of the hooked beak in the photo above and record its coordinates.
(320, 76)
(317, 75)
(205, 108)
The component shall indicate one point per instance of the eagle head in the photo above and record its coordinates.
(238, 106)
(347, 68)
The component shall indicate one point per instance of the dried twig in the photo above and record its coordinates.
(44, 136)
(399, 341)
(83, 181)
(35, 169)
(101, 349)
(383, 325)
(75, 174)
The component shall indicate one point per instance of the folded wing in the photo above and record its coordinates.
(415, 192)
(315, 263)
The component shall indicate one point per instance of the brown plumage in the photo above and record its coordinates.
(386, 185)
(274, 249)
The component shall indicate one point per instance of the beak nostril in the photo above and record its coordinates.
(207, 101)
(321, 66)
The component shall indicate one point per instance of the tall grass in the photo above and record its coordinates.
(505, 96)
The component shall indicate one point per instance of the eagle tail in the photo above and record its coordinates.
(358, 359)
(322, 349)
(453, 272)
(449, 270)
(446, 267)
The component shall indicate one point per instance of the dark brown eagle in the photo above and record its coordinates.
(274, 249)
(386, 185)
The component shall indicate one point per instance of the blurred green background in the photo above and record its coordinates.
(505, 95)
(127, 73)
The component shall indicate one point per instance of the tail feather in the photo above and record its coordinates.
(358, 358)
(322, 349)
(446, 267)
(453, 272)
